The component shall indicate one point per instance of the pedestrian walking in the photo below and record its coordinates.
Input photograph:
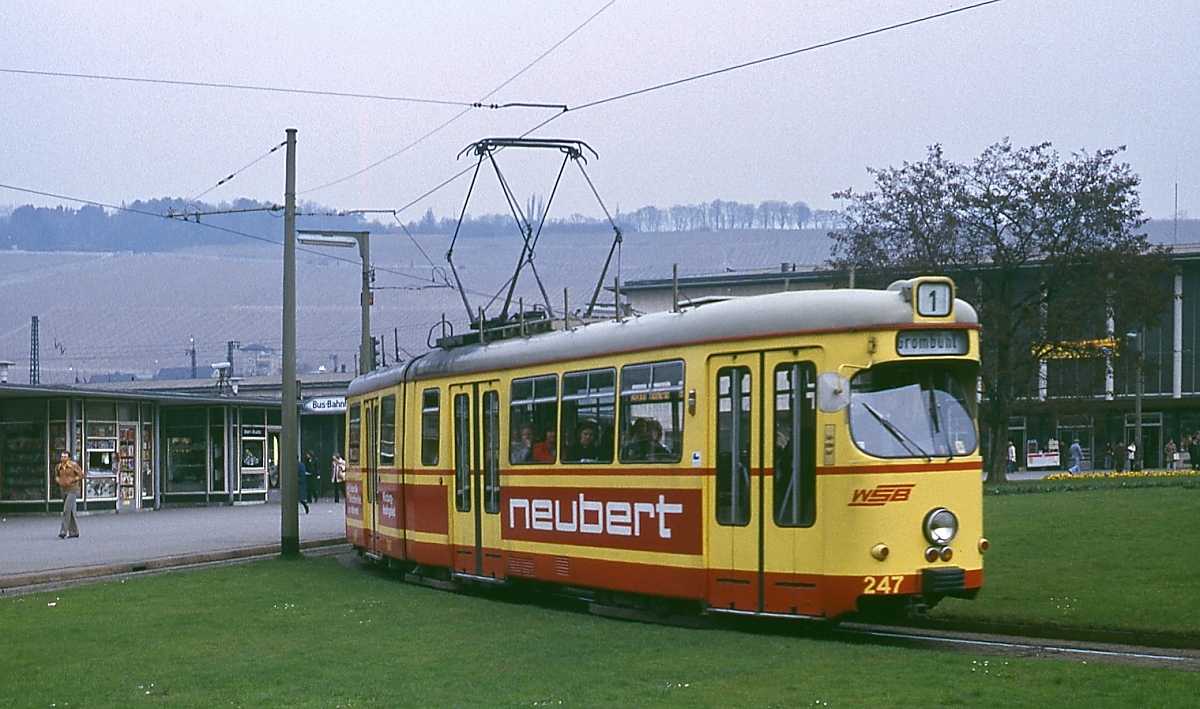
(1172, 453)
(1108, 455)
(313, 471)
(1193, 450)
(68, 475)
(1076, 453)
(302, 484)
(1012, 458)
(337, 473)
(1132, 457)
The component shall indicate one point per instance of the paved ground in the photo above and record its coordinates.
(31, 552)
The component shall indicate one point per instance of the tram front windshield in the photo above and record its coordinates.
(915, 409)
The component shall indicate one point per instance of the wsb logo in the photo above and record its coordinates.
(880, 495)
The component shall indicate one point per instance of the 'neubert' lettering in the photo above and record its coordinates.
(620, 519)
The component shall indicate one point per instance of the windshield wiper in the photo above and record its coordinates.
(898, 434)
(935, 412)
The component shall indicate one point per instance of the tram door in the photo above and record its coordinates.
(734, 573)
(763, 444)
(370, 465)
(475, 524)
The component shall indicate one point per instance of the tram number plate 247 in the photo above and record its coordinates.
(882, 584)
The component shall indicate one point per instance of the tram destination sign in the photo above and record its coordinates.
(913, 343)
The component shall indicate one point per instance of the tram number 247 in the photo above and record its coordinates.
(882, 584)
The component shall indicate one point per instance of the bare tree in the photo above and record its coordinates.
(1048, 249)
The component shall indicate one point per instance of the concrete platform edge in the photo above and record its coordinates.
(83, 572)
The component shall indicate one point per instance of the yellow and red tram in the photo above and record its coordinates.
(807, 454)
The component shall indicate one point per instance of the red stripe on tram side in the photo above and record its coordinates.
(388, 510)
(354, 507)
(892, 468)
(607, 469)
(606, 574)
(428, 553)
(426, 508)
(881, 469)
(793, 594)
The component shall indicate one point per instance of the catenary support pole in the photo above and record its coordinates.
(289, 437)
(366, 353)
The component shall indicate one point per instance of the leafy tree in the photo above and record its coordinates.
(1046, 248)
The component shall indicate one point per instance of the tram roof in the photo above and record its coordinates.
(751, 317)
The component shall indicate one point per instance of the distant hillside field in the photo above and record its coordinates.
(135, 312)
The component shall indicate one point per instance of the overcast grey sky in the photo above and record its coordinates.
(1083, 74)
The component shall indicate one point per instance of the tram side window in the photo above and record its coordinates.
(588, 412)
(354, 436)
(491, 452)
(462, 453)
(430, 426)
(387, 431)
(533, 415)
(795, 481)
(652, 412)
(733, 445)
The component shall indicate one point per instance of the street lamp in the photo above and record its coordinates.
(1137, 397)
(348, 239)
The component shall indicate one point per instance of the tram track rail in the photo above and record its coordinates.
(1022, 646)
(1000, 640)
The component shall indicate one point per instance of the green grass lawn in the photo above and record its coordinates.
(314, 633)
(1110, 558)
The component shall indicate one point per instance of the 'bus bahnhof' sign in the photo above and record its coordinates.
(326, 405)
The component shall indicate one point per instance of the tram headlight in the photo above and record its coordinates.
(941, 526)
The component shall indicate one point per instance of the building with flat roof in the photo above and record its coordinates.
(146, 444)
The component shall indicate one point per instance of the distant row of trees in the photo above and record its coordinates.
(141, 226)
(717, 215)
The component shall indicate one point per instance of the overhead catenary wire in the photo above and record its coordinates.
(783, 55)
(237, 87)
(476, 104)
(235, 173)
(697, 77)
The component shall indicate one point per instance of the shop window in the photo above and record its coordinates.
(430, 426)
(127, 411)
(217, 457)
(733, 445)
(354, 434)
(652, 412)
(387, 431)
(147, 461)
(23, 462)
(533, 417)
(491, 452)
(795, 425)
(588, 411)
(252, 451)
(186, 467)
(100, 410)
